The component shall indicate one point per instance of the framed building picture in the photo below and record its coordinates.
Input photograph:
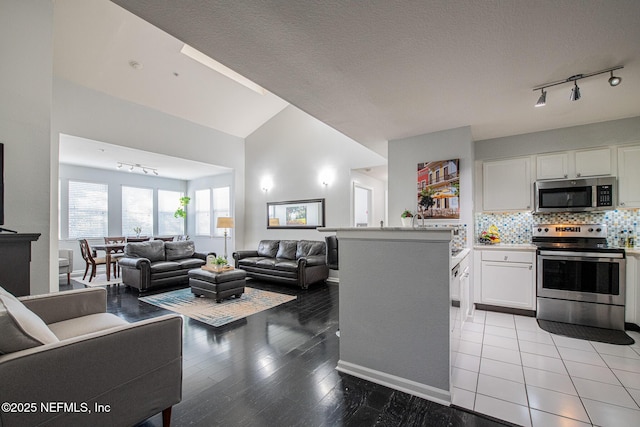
(438, 188)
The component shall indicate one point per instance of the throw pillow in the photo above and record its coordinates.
(179, 250)
(287, 249)
(21, 328)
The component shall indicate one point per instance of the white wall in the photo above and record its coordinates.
(614, 132)
(90, 114)
(406, 153)
(26, 43)
(293, 149)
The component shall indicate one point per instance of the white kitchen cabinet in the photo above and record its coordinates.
(629, 176)
(632, 296)
(508, 279)
(574, 164)
(593, 162)
(506, 185)
(552, 166)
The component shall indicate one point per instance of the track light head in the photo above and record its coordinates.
(145, 170)
(575, 92)
(542, 101)
(614, 80)
(119, 166)
(155, 172)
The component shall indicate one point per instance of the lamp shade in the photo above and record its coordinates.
(224, 222)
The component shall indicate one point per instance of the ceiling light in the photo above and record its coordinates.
(614, 80)
(133, 166)
(542, 101)
(135, 65)
(207, 61)
(575, 91)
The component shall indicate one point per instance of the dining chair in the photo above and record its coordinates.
(90, 260)
(116, 253)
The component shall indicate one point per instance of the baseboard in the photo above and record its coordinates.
(508, 310)
(443, 397)
(334, 280)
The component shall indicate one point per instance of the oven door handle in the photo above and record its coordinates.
(581, 254)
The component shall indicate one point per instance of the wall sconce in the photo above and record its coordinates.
(326, 177)
(266, 184)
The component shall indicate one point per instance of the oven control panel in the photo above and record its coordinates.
(570, 230)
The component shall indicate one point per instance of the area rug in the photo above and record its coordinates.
(99, 280)
(206, 310)
(610, 336)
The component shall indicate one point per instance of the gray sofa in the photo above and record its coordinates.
(63, 348)
(297, 262)
(158, 264)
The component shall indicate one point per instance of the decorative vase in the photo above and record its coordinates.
(406, 222)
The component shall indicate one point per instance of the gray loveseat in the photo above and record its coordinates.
(298, 262)
(157, 264)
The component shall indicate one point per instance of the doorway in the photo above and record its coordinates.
(362, 205)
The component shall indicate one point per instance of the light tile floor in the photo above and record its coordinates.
(505, 366)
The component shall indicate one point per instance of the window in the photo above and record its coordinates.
(168, 202)
(221, 207)
(137, 210)
(203, 212)
(88, 210)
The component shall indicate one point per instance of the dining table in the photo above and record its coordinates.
(109, 249)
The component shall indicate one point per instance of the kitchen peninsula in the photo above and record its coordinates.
(394, 308)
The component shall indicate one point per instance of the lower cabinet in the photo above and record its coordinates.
(632, 299)
(508, 279)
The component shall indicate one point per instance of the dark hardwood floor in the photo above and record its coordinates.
(277, 368)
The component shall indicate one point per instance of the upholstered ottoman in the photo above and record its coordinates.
(217, 285)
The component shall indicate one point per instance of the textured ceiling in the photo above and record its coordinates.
(380, 70)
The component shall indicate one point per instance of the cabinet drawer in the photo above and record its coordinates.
(509, 256)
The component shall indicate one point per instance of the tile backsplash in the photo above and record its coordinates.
(516, 227)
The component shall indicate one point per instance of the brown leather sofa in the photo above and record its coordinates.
(157, 264)
(297, 262)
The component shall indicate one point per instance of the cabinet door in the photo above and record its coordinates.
(508, 284)
(506, 185)
(552, 166)
(632, 297)
(593, 162)
(629, 176)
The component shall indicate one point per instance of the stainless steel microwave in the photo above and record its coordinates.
(576, 195)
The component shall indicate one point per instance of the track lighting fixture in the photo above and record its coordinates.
(614, 80)
(133, 166)
(575, 90)
(542, 101)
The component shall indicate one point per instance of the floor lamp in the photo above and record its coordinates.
(226, 223)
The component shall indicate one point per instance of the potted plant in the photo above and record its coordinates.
(181, 212)
(220, 263)
(406, 217)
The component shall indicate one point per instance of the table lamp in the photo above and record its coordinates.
(226, 223)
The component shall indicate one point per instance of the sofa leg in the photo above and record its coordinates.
(166, 417)
(68, 278)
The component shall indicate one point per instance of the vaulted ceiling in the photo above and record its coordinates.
(374, 70)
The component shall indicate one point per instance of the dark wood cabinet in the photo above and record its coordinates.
(15, 257)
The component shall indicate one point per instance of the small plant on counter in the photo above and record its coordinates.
(406, 214)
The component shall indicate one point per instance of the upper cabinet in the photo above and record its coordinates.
(552, 166)
(629, 176)
(593, 162)
(506, 185)
(574, 164)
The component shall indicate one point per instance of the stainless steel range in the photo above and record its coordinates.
(580, 279)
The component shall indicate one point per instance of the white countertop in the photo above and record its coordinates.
(506, 246)
(420, 229)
